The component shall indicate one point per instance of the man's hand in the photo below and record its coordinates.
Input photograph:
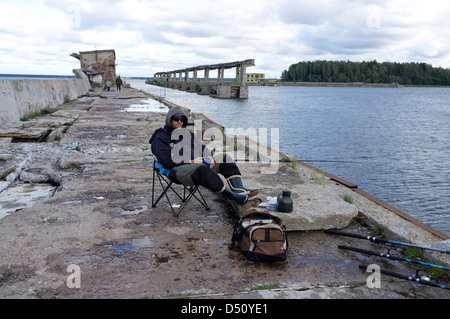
(196, 160)
(200, 160)
(212, 162)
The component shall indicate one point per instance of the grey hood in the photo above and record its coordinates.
(176, 111)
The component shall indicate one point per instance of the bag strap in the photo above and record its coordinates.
(260, 215)
(238, 232)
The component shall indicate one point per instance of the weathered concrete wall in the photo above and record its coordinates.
(20, 97)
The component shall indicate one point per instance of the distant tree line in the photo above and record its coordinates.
(367, 72)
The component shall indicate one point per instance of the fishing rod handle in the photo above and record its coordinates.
(392, 257)
(410, 278)
(374, 253)
(384, 241)
(370, 238)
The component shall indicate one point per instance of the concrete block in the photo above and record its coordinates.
(316, 209)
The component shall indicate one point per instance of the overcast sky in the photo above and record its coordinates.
(37, 37)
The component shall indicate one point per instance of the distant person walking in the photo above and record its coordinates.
(107, 86)
(119, 83)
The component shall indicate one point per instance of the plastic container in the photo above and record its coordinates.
(207, 161)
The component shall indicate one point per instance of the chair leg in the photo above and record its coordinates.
(162, 194)
(153, 186)
(162, 180)
(188, 193)
(192, 191)
(202, 200)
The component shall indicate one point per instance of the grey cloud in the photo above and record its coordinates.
(161, 33)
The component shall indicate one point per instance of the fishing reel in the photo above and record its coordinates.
(396, 255)
(418, 277)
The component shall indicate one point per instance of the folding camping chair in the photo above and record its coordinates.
(166, 184)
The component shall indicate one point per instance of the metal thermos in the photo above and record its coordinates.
(285, 202)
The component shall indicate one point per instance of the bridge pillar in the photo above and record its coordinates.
(220, 89)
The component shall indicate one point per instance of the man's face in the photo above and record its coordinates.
(177, 121)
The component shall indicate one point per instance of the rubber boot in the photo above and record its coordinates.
(235, 183)
(240, 199)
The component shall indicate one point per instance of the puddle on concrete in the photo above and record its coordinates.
(149, 105)
(135, 245)
(145, 242)
(178, 230)
(134, 210)
(16, 197)
(121, 249)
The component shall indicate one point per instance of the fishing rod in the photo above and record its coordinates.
(330, 161)
(384, 241)
(415, 278)
(392, 257)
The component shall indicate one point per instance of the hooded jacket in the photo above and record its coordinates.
(175, 147)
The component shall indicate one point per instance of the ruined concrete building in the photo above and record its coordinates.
(99, 65)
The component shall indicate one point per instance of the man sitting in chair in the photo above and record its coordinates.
(189, 162)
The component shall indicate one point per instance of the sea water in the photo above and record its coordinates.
(394, 143)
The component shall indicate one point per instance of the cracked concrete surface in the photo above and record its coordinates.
(101, 219)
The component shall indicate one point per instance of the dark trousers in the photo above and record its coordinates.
(200, 174)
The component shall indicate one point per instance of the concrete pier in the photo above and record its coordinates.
(189, 80)
(101, 220)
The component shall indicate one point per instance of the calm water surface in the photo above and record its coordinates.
(392, 143)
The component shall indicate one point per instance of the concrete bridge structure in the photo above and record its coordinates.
(190, 80)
